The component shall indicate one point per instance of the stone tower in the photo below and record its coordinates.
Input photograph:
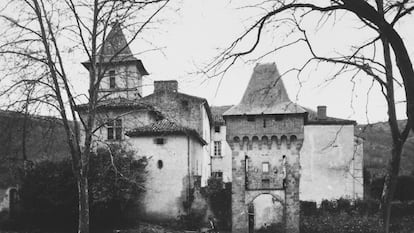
(265, 133)
(123, 72)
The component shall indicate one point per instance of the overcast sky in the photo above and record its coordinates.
(191, 37)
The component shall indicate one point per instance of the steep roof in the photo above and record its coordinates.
(147, 99)
(217, 112)
(116, 47)
(265, 94)
(121, 103)
(165, 127)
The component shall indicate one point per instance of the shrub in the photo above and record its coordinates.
(404, 190)
(49, 191)
(340, 223)
(308, 208)
(218, 195)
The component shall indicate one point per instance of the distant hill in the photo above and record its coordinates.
(377, 148)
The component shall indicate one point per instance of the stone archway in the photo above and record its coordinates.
(266, 212)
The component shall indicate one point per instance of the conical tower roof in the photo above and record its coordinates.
(116, 43)
(116, 47)
(265, 94)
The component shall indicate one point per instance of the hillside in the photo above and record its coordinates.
(377, 148)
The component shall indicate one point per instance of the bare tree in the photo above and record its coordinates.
(378, 17)
(38, 38)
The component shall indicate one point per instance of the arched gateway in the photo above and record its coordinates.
(265, 133)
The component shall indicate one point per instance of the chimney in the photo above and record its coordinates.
(322, 112)
(166, 86)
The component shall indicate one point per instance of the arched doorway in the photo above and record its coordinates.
(266, 214)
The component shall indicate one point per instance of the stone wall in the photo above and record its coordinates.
(179, 108)
(171, 171)
(332, 163)
(276, 142)
(128, 82)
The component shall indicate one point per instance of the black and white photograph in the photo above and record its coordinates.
(206, 116)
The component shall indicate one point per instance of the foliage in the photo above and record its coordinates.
(360, 216)
(50, 199)
(218, 195)
(404, 190)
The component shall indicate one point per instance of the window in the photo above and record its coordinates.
(266, 183)
(112, 83)
(217, 129)
(185, 103)
(278, 117)
(160, 164)
(217, 148)
(160, 141)
(218, 175)
(114, 129)
(265, 167)
(264, 123)
(250, 118)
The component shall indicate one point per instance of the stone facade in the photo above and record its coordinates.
(332, 163)
(265, 138)
(259, 166)
(220, 150)
(170, 128)
(172, 168)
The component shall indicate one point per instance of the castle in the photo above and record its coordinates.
(274, 151)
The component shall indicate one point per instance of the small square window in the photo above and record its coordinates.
(217, 129)
(184, 103)
(278, 117)
(266, 183)
(218, 175)
(160, 141)
(114, 129)
(251, 118)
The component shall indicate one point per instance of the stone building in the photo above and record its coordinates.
(220, 149)
(265, 131)
(274, 151)
(170, 128)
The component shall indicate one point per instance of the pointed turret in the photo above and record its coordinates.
(115, 50)
(265, 94)
(123, 72)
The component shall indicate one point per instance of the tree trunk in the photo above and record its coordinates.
(83, 190)
(390, 184)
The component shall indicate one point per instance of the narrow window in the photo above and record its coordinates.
(264, 123)
(118, 129)
(250, 118)
(160, 164)
(217, 129)
(217, 148)
(110, 130)
(160, 141)
(265, 167)
(112, 83)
